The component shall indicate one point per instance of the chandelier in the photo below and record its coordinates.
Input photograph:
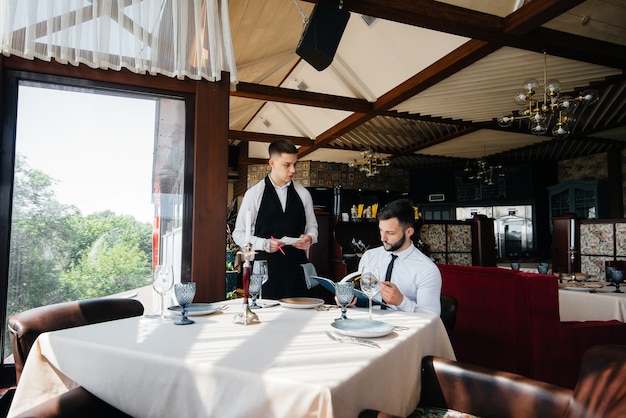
(540, 114)
(369, 163)
(481, 170)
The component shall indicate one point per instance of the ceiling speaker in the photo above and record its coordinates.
(322, 34)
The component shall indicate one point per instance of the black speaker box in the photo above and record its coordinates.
(322, 34)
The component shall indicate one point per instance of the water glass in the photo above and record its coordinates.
(369, 286)
(259, 267)
(344, 291)
(184, 293)
(162, 282)
(256, 282)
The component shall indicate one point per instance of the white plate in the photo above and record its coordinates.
(196, 309)
(584, 287)
(300, 303)
(362, 328)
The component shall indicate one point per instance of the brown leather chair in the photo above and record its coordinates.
(599, 392)
(26, 326)
(75, 403)
(449, 305)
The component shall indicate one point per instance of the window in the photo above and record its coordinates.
(93, 189)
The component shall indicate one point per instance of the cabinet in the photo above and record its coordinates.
(586, 199)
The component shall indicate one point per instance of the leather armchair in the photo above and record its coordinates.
(600, 390)
(26, 326)
(76, 402)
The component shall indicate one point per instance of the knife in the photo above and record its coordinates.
(354, 340)
(363, 341)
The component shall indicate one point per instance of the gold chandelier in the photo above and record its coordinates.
(539, 114)
(481, 171)
(370, 163)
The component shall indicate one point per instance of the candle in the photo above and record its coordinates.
(248, 226)
(572, 233)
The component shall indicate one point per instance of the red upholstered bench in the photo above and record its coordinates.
(509, 320)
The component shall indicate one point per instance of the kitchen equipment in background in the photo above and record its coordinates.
(513, 228)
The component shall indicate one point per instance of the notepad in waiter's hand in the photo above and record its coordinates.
(289, 240)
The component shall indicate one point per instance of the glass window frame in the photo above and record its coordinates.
(10, 86)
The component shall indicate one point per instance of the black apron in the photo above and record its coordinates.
(286, 277)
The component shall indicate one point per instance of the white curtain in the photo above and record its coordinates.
(177, 38)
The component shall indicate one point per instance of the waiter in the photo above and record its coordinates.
(278, 207)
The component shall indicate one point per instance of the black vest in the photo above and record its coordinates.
(286, 277)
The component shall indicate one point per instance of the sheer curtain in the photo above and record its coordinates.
(177, 38)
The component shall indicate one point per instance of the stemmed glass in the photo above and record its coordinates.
(369, 286)
(617, 277)
(162, 282)
(344, 292)
(260, 268)
(184, 293)
(256, 282)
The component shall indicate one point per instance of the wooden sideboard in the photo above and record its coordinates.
(595, 242)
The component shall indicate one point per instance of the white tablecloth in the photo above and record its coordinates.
(285, 366)
(603, 305)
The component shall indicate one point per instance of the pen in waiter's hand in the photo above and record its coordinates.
(279, 247)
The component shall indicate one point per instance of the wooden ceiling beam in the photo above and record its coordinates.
(305, 98)
(247, 136)
(521, 29)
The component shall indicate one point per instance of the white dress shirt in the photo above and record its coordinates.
(252, 201)
(416, 276)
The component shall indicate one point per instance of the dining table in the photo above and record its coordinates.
(595, 304)
(286, 365)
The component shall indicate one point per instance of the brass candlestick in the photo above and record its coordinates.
(572, 262)
(246, 316)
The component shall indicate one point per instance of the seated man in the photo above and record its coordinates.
(409, 280)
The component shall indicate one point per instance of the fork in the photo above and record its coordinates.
(353, 340)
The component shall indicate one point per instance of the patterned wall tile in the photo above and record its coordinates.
(459, 238)
(594, 266)
(434, 236)
(439, 258)
(462, 259)
(620, 241)
(596, 239)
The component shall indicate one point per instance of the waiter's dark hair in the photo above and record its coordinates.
(282, 146)
(401, 209)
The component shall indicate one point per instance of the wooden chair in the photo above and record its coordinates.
(449, 306)
(450, 385)
(26, 326)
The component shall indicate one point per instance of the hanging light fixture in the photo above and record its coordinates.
(481, 170)
(539, 114)
(370, 163)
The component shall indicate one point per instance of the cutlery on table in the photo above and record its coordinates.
(352, 340)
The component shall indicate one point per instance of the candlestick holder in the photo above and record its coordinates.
(246, 316)
(572, 261)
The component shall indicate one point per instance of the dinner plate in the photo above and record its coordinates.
(196, 309)
(300, 303)
(367, 328)
(582, 286)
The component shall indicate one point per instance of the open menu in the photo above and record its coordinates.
(361, 298)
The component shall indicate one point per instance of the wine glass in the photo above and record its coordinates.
(184, 293)
(162, 282)
(256, 282)
(369, 286)
(260, 267)
(344, 292)
(617, 277)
